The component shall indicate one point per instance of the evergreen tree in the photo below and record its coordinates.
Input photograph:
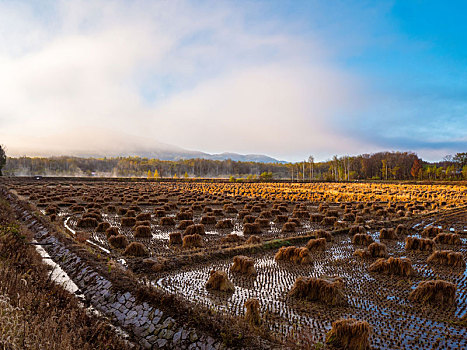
(2, 159)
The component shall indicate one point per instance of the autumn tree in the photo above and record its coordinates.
(416, 166)
(395, 171)
(265, 176)
(439, 173)
(450, 171)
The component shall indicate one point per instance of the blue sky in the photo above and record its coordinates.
(283, 78)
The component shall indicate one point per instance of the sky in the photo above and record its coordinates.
(287, 79)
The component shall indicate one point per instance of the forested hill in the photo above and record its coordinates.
(383, 165)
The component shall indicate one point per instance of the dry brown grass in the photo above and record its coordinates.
(130, 221)
(184, 224)
(423, 244)
(87, 222)
(436, 292)
(192, 241)
(362, 239)
(316, 218)
(374, 250)
(316, 243)
(254, 240)
(323, 234)
(208, 220)
(185, 215)
(175, 238)
(349, 334)
(219, 281)
(93, 213)
(357, 230)
(262, 222)
(111, 231)
(131, 213)
(393, 266)
(141, 223)
(232, 238)
(359, 219)
(249, 219)
(252, 315)
(136, 249)
(293, 254)
(251, 229)
(82, 236)
(401, 230)
(167, 221)
(378, 250)
(102, 227)
(76, 208)
(317, 289)
(362, 253)
(119, 241)
(243, 264)
(143, 217)
(281, 219)
(36, 312)
(387, 233)
(121, 211)
(328, 220)
(430, 231)
(447, 258)
(224, 224)
(194, 230)
(288, 227)
(159, 213)
(143, 232)
(448, 238)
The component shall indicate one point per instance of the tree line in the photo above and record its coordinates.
(376, 166)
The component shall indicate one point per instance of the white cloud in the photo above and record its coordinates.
(234, 86)
(278, 108)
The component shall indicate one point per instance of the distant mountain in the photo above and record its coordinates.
(179, 153)
(260, 158)
(103, 143)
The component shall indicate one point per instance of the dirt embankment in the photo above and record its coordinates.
(37, 313)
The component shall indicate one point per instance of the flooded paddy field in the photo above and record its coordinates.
(380, 299)
(186, 230)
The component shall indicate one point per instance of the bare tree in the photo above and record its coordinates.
(311, 160)
(303, 171)
(336, 167)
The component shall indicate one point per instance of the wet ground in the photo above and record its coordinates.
(380, 299)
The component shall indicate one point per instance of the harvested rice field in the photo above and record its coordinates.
(390, 256)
